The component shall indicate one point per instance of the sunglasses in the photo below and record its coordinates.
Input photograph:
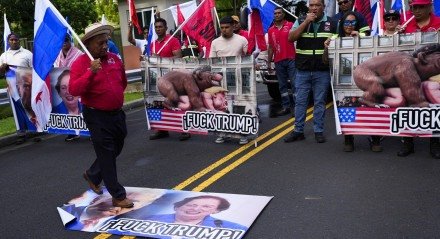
(343, 2)
(348, 23)
(392, 18)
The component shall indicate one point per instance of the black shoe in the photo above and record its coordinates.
(294, 136)
(71, 137)
(434, 148)
(348, 143)
(283, 112)
(375, 143)
(184, 136)
(159, 135)
(319, 137)
(407, 147)
(20, 141)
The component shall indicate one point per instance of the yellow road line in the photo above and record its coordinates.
(233, 165)
(243, 159)
(103, 236)
(223, 160)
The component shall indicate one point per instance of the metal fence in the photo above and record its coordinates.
(133, 76)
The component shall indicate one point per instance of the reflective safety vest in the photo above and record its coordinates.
(310, 46)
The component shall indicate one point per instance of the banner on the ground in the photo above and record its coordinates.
(66, 116)
(387, 85)
(199, 96)
(161, 213)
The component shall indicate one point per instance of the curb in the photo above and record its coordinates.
(11, 139)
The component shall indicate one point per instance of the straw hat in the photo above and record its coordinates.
(96, 29)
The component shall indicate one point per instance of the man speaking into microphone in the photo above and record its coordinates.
(312, 72)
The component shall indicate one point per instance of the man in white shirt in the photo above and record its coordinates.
(229, 43)
(16, 55)
(140, 43)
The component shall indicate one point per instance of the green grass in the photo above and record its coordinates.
(3, 83)
(5, 111)
(133, 96)
(7, 124)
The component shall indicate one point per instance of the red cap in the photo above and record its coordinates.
(421, 2)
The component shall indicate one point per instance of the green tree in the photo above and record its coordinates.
(109, 8)
(20, 14)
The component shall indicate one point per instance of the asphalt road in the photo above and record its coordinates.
(319, 191)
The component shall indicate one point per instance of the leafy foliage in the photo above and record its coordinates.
(20, 14)
(109, 9)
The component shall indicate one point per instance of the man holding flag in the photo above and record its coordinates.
(140, 43)
(101, 83)
(161, 49)
(424, 19)
(16, 55)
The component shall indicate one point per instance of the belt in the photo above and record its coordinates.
(110, 112)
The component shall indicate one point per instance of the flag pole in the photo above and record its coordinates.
(80, 42)
(189, 45)
(278, 5)
(404, 10)
(405, 24)
(218, 19)
(180, 27)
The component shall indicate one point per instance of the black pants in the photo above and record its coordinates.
(108, 131)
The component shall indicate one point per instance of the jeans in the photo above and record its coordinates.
(286, 71)
(318, 81)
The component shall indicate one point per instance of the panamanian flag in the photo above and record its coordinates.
(50, 28)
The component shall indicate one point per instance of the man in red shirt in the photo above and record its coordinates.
(161, 48)
(101, 83)
(282, 51)
(424, 19)
(158, 48)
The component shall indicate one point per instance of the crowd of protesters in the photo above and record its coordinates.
(297, 49)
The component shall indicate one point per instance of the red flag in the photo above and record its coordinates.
(256, 33)
(180, 18)
(133, 15)
(200, 26)
(364, 8)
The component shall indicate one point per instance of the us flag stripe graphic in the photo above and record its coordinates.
(371, 121)
(169, 120)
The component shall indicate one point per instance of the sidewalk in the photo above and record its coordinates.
(10, 139)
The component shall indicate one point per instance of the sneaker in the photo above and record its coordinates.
(434, 148)
(184, 136)
(283, 112)
(407, 147)
(348, 143)
(319, 137)
(159, 135)
(71, 137)
(220, 140)
(375, 144)
(243, 140)
(294, 136)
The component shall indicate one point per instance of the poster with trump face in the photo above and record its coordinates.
(166, 214)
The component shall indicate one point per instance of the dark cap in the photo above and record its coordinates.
(391, 13)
